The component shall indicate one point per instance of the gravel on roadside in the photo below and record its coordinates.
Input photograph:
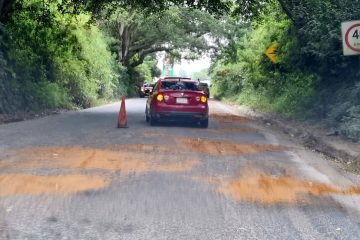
(27, 115)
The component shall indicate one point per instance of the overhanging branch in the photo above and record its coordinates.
(146, 52)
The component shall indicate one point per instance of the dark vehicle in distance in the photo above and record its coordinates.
(177, 99)
(146, 90)
(205, 88)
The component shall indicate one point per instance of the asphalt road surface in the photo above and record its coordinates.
(76, 176)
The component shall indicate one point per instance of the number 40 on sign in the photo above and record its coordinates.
(351, 37)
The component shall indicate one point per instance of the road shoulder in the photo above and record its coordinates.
(333, 146)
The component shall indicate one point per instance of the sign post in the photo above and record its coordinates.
(351, 37)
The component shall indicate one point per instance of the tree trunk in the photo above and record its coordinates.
(125, 36)
(287, 10)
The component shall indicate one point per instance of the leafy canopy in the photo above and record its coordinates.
(180, 31)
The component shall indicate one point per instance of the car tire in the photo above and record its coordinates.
(204, 123)
(147, 118)
(152, 121)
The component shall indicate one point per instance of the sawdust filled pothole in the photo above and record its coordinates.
(17, 184)
(92, 158)
(224, 117)
(143, 147)
(269, 190)
(216, 147)
(213, 147)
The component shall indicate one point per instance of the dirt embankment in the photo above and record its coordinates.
(311, 135)
(23, 115)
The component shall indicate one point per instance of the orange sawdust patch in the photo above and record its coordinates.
(268, 189)
(224, 117)
(213, 147)
(234, 130)
(16, 184)
(93, 158)
(143, 147)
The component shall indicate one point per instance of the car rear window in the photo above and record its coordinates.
(179, 85)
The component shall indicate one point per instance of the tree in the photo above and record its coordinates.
(176, 30)
(217, 7)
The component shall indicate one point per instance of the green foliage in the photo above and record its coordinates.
(176, 30)
(148, 70)
(49, 95)
(292, 99)
(255, 79)
(99, 61)
(201, 75)
(309, 79)
(318, 24)
(145, 72)
(9, 99)
(227, 80)
(58, 59)
(297, 93)
(214, 6)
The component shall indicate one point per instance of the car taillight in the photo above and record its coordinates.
(160, 97)
(142, 89)
(198, 98)
(166, 97)
(203, 99)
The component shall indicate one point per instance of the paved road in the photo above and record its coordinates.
(76, 176)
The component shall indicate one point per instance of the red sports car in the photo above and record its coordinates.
(177, 99)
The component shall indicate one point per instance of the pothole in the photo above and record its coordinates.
(269, 190)
(93, 158)
(17, 184)
(213, 147)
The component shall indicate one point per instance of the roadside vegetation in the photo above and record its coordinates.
(53, 58)
(66, 54)
(74, 53)
(312, 79)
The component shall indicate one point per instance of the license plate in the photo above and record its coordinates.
(182, 100)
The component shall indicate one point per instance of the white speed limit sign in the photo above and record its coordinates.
(351, 37)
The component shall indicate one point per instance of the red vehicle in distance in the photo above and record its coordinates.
(177, 99)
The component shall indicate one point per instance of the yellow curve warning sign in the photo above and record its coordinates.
(271, 52)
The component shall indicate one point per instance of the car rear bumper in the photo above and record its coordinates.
(180, 116)
(145, 92)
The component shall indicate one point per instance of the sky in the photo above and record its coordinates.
(192, 66)
(189, 66)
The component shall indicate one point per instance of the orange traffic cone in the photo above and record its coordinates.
(122, 119)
